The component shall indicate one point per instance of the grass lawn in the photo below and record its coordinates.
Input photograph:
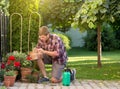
(85, 63)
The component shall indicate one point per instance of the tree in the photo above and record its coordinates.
(92, 14)
(58, 13)
(4, 5)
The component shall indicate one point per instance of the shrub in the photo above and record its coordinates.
(91, 40)
(117, 36)
(107, 38)
(2, 75)
(25, 9)
(65, 40)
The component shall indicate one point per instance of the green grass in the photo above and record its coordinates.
(85, 62)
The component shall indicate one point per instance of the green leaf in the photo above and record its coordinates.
(112, 19)
(93, 6)
(91, 25)
(103, 10)
(74, 25)
(84, 19)
(100, 2)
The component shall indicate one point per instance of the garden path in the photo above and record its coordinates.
(82, 84)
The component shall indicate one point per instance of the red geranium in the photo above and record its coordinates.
(14, 60)
(17, 64)
(12, 63)
(28, 57)
(2, 65)
(11, 58)
(8, 62)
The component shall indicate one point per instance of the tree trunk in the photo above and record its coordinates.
(99, 51)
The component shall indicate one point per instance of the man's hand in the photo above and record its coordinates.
(41, 50)
(33, 55)
(35, 50)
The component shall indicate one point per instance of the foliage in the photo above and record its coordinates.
(94, 12)
(10, 73)
(91, 40)
(2, 75)
(59, 13)
(25, 8)
(35, 70)
(17, 55)
(108, 39)
(116, 28)
(14, 60)
(65, 40)
(115, 8)
(117, 36)
(32, 79)
(26, 63)
(4, 5)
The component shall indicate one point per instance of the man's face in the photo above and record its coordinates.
(44, 38)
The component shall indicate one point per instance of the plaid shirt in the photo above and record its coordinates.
(54, 43)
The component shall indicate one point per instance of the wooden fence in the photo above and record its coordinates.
(3, 32)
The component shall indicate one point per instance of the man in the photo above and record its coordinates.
(50, 50)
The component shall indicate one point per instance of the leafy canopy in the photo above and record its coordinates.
(93, 12)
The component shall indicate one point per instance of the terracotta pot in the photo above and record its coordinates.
(6, 83)
(11, 79)
(36, 75)
(24, 73)
(26, 69)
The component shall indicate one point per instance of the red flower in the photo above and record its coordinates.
(28, 57)
(2, 66)
(11, 58)
(16, 64)
(8, 62)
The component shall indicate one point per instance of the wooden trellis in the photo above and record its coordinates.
(29, 29)
(11, 31)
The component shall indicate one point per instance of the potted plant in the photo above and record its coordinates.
(35, 74)
(12, 62)
(9, 77)
(26, 68)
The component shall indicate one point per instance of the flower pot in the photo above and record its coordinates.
(11, 79)
(36, 75)
(24, 73)
(6, 83)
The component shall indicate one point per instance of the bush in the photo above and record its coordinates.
(116, 26)
(25, 9)
(91, 40)
(117, 36)
(2, 75)
(107, 37)
(65, 40)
